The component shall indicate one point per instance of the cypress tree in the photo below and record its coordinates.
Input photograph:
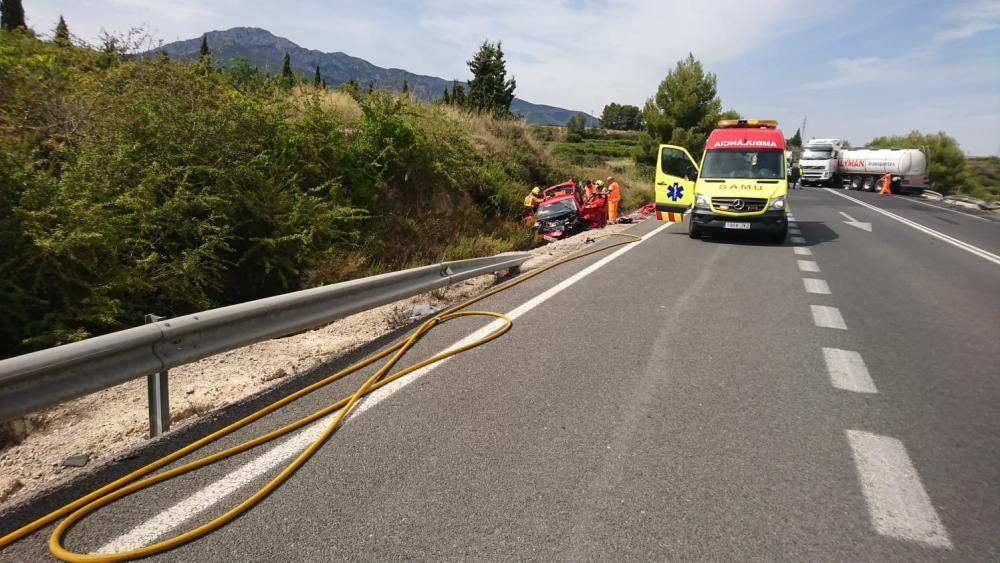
(371, 88)
(317, 80)
(204, 55)
(11, 15)
(287, 78)
(457, 94)
(446, 98)
(62, 33)
(406, 87)
(324, 84)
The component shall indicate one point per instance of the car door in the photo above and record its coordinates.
(676, 174)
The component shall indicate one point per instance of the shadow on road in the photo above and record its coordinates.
(815, 232)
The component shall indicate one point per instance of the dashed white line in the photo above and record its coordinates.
(828, 317)
(898, 505)
(798, 240)
(818, 287)
(802, 251)
(148, 531)
(989, 256)
(808, 266)
(848, 371)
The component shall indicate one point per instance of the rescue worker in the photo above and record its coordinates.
(886, 184)
(793, 178)
(531, 202)
(614, 196)
(588, 190)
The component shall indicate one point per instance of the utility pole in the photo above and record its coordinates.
(804, 128)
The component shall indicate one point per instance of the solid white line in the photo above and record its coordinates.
(802, 251)
(950, 240)
(898, 505)
(848, 371)
(828, 317)
(818, 287)
(798, 240)
(150, 530)
(808, 266)
(948, 209)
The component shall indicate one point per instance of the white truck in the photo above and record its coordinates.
(818, 162)
(862, 169)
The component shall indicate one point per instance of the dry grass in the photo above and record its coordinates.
(337, 102)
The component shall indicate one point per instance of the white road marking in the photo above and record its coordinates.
(989, 256)
(898, 505)
(948, 209)
(794, 232)
(818, 287)
(802, 251)
(828, 317)
(152, 529)
(808, 266)
(848, 371)
(855, 223)
(798, 240)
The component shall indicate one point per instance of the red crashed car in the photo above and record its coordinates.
(565, 211)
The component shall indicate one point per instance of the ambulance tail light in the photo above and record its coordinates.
(748, 123)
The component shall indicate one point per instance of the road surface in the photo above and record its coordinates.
(835, 398)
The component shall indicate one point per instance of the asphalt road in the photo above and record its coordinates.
(835, 398)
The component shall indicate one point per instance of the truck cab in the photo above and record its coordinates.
(818, 162)
(739, 186)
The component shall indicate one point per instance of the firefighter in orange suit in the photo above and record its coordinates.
(886, 184)
(614, 196)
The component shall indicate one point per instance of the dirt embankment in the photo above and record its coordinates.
(55, 444)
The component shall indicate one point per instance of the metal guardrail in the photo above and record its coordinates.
(52, 376)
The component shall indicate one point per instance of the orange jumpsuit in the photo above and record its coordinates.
(886, 182)
(614, 196)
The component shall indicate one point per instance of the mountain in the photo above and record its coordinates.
(266, 50)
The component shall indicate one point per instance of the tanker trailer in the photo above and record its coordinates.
(862, 169)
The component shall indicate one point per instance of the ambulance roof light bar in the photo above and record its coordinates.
(748, 123)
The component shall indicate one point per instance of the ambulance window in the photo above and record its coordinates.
(676, 163)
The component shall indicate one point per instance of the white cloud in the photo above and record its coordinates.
(970, 20)
(856, 71)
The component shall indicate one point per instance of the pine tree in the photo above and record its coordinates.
(796, 139)
(11, 15)
(406, 87)
(446, 98)
(489, 90)
(317, 79)
(204, 55)
(287, 78)
(62, 33)
(457, 94)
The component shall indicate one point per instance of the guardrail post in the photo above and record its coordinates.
(158, 393)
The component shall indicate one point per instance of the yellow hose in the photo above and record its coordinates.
(129, 484)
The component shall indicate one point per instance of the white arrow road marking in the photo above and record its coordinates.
(898, 505)
(171, 518)
(852, 222)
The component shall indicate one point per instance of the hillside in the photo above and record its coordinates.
(266, 50)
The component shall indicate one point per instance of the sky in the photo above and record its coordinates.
(849, 69)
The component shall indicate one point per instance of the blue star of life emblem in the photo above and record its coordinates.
(675, 192)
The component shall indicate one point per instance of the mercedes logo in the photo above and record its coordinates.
(737, 204)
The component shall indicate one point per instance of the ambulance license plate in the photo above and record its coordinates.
(731, 225)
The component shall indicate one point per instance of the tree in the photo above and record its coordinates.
(796, 140)
(11, 15)
(317, 79)
(683, 112)
(446, 98)
(946, 164)
(458, 94)
(575, 128)
(406, 87)
(621, 117)
(204, 55)
(287, 78)
(489, 90)
(62, 33)
(371, 87)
